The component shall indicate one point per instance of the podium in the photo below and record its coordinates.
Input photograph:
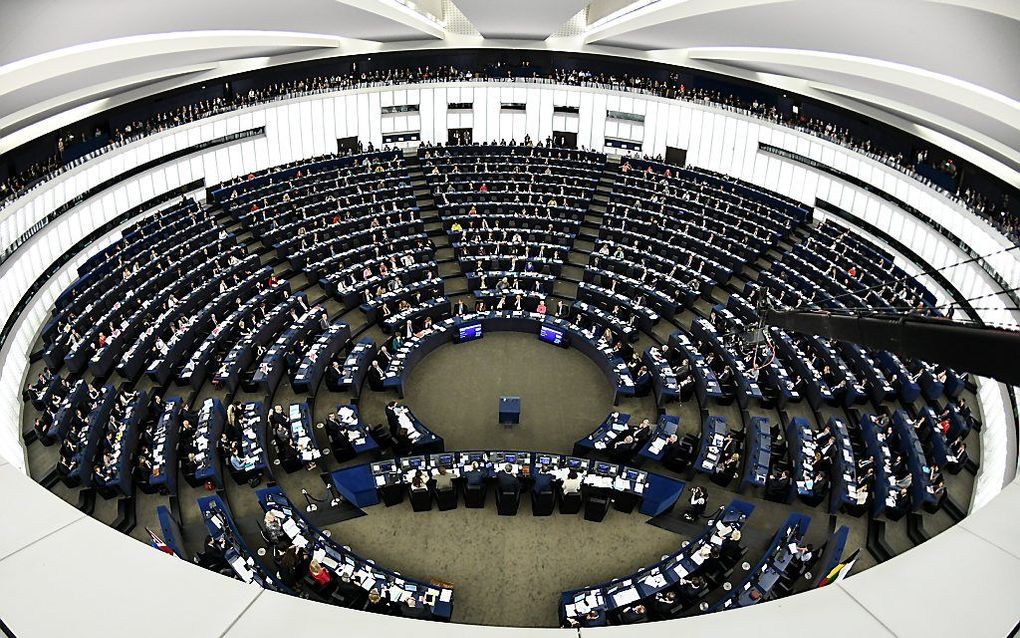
(509, 411)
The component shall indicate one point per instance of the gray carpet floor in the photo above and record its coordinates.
(564, 396)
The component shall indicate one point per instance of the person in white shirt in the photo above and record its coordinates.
(571, 484)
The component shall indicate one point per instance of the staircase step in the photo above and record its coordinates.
(565, 289)
(877, 545)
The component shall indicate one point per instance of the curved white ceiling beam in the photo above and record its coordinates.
(400, 12)
(667, 11)
(1005, 8)
(53, 64)
(105, 88)
(220, 70)
(972, 96)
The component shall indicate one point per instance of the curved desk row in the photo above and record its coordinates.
(556, 330)
(760, 580)
(591, 606)
(245, 563)
(366, 485)
(348, 567)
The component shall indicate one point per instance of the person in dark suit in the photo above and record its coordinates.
(377, 603)
(411, 609)
(543, 481)
(334, 373)
(633, 614)
(342, 447)
(690, 588)
(642, 432)
(624, 449)
(376, 375)
(391, 416)
(663, 604)
(353, 596)
(674, 456)
(506, 480)
(474, 477)
(777, 487)
(279, 420)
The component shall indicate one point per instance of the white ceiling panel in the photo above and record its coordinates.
(154, 67)
(977, 46)
(965, 114)
(520, 19)
(33, 27)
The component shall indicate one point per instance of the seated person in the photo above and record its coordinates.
(293, 563)
(273, 527)
(728, 468)
(412, 609)
(572, 484)
(691, 588)
(633, 614)
(334, 374)
(674, 455)
(442, 480)
(642, 432)
(418, 482)
(624, 449)
(376, 603)
(506, 481)
(474, 477)
(542, 481)
(376, 375)
(777, 487)
(322, 578)
(663, 604)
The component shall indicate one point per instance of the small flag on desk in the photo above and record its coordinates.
(158, 543)
(840, 571)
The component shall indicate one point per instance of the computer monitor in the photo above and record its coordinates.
(415, 462)
(545, 460)
(510, 458)
(632, 475)
(469, 332)
(446, 459)
(573, 463)
(553, 336)
(602, 468)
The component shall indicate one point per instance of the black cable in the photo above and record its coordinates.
(991, 294)
(914, 310)
(814, 304)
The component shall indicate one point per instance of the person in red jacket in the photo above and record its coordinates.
(322, 578)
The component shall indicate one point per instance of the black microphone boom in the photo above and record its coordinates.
(985, 351)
